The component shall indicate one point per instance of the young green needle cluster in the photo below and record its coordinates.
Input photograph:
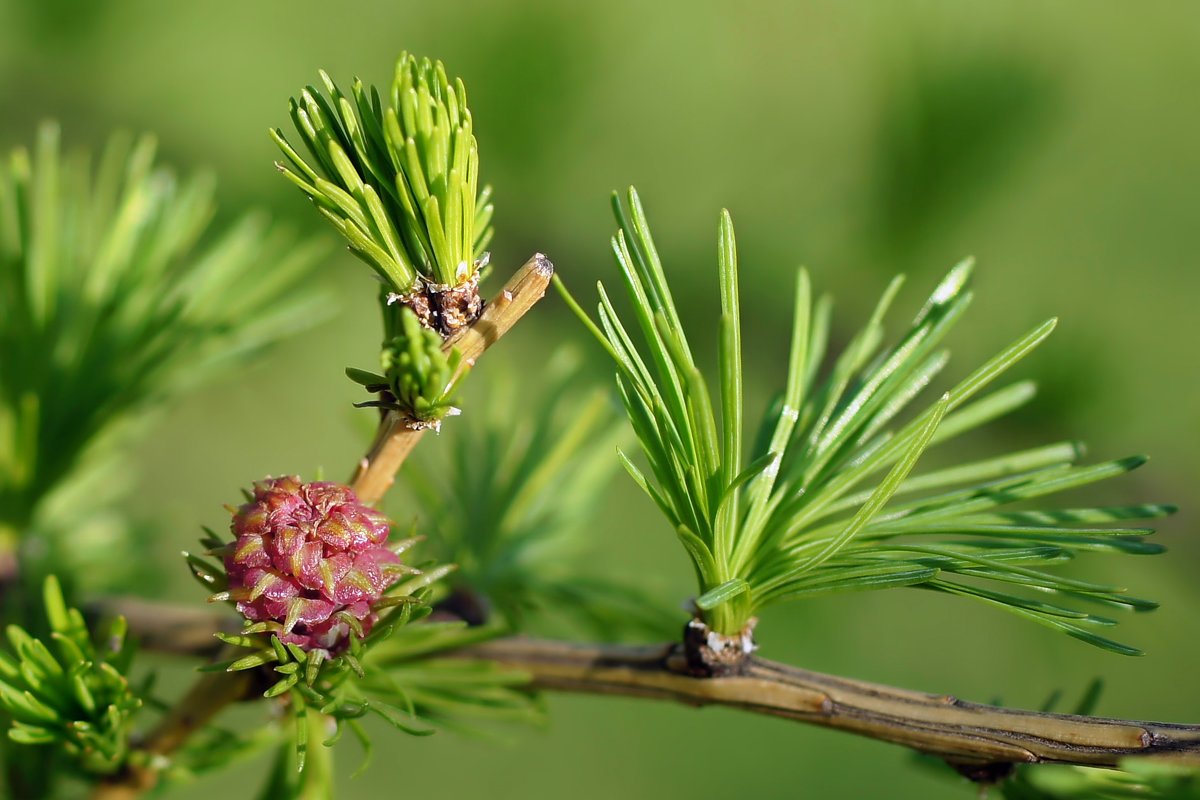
(72, 693)
(401, 182)
(826, 498)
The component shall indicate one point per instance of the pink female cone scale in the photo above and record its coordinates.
(310, 561)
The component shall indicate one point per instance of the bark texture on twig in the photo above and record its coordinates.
(165, 628)
(965, 734)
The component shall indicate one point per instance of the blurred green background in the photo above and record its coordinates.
(1057, 142)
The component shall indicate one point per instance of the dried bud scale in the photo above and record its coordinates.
(456, 306)
(442, 307)
(713, 654)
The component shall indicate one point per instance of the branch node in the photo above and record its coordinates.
(715, 655)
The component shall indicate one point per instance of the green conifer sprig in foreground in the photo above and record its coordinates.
(68, 692)
(400, 180)
(827, 497)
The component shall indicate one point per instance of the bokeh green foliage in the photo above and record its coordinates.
(114, 302)
(1137, 777)
(117, 295)
(511, 495)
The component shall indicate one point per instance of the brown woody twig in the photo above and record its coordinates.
(964, 734)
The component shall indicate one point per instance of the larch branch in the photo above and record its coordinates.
(963, 733)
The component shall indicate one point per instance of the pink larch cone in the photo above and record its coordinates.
(310, 558)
